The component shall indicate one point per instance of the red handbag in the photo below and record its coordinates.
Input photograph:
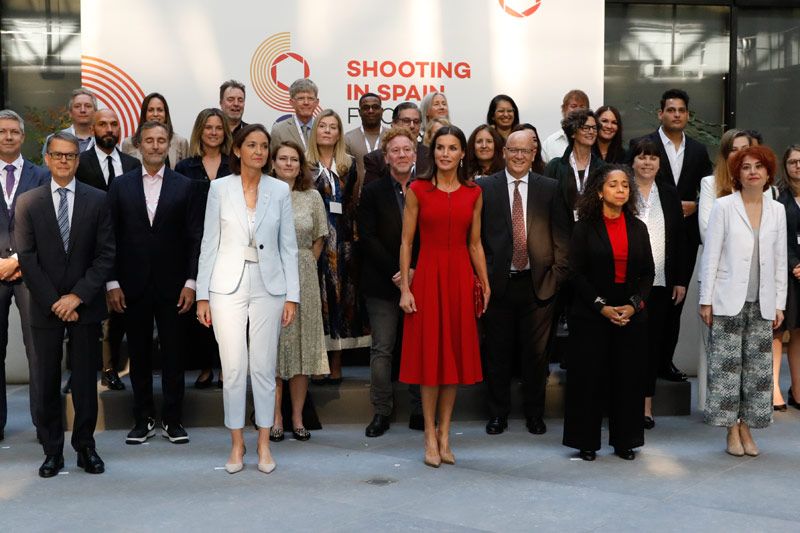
(477, 296)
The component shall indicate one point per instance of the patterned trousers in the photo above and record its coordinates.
(740, 369)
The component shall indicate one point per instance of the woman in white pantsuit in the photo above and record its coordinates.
(248, 274)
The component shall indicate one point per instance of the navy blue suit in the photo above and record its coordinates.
(31, 177)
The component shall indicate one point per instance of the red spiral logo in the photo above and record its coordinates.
(115, 89)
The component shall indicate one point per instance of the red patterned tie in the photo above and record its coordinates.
(520, 257)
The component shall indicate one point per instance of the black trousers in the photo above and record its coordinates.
(516, 326)
(113, 332)
(201, 349)
(139, 316)
(659, 312)
(48, 343)
(19, 292)
(606, 369)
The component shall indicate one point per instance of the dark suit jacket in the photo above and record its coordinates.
(375, 165)
(90, 173)
(380, 226)
(547, 232)
(192, 168)
(591, 266)
(696, 166)
(560, 170)
(793, 246)
(50, 272)
(162, 256)
(675, 238)
(32, 176)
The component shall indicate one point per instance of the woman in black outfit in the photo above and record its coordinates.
(611, 269)
(209, 146)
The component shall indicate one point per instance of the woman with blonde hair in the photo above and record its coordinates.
(344, 315)
(433, 105)
(433, 126)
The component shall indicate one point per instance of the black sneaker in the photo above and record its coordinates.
(143, 430)
(175, 433)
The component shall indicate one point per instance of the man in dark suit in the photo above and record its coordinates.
(99, 167)
(66, 252)
(525, 234)
(684, 162)
(158, 226)
(380, 224)
(17, 175)
(405, 115)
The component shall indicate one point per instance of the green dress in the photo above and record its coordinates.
(302, 346)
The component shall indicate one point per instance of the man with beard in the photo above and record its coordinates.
(98, 167)
(367, 137)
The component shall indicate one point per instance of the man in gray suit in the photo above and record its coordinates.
(17, 175)
(303, 95)
(366, 138)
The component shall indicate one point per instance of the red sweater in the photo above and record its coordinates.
(618, 235)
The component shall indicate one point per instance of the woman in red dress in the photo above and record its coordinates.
(440, 335)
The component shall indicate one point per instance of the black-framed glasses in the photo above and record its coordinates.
(586, 128)
(58, 156)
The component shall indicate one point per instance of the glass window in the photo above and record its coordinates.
(768, 74)
(652, 48)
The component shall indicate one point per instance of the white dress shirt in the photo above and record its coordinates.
(9, 195)
(675, 155)
(116, 161)
(523, 192)
(554, 146)
(57, 197)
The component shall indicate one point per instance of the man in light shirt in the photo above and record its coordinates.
(556, 143)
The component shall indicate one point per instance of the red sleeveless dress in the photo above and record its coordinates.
(440, 340)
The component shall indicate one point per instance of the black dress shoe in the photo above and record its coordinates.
(536, 425)
(416, 422)
(90, 461)
(204, 383)
(51, 465)
(378, 426)
(496, 425)
(587, 455)
(111, 380)
(649, 422)
(791, 401)
(625, 453)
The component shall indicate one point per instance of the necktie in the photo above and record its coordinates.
(111, 174)
(520, 256)
(63, 216)
(305, 129)
(10, 179)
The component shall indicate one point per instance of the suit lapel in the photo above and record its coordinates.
(49, 214)
(78, 216)
(25, 178)
(665, 169)
(236, 196)
(96, 169)
(532, 179)
(502, 191)
(139, 199)
(164, 198)
(262, 202)
(738, 205)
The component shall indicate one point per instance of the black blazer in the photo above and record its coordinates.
(696, 166)
(792, 235)
(591, 266)
(192, 168)
(380, 226)
(675, 242)
(162, 256)
(375, 165)
(32, 176)
(547, 231)
(90, 173)
(50, 272)
(560, 170)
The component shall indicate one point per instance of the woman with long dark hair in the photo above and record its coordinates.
(611, 269)
(609, 135)
(440, 333)
(503, 115)
(484, 152)
(155, 107)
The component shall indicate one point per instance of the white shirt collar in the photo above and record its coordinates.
(101, 155)
(55, 186)
(511, 179)
(665, 140)
(18, 162)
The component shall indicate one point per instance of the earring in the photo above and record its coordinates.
(461, 163)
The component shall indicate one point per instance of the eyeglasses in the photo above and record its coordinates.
(58, 156)
(793, 163)
(304, 99)
(586, 128)
(409, 121)
(519, 151)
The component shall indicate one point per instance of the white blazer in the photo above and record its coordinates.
(708, 195)
(728, 251)
(226, 235)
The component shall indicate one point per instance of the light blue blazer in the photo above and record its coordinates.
(226, 236)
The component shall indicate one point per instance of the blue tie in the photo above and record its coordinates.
(63, 216)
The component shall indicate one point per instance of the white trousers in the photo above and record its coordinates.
(231, 313)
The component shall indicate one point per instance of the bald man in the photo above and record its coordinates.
(98, 167)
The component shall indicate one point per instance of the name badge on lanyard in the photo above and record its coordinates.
(574, 164)
(334, 206)
(377, 143)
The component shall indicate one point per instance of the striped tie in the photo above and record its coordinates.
(63, 216)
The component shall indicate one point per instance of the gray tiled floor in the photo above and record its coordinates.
(342, 481)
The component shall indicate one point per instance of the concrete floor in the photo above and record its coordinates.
(341, 481)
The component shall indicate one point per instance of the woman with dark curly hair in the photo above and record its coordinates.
(609, 136)
(484, 152)
(611, 268)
